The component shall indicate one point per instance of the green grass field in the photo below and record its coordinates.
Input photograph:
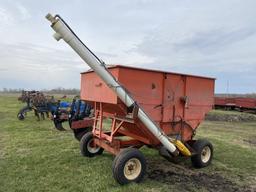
(36, 157)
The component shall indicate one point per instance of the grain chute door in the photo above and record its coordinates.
(173, 107)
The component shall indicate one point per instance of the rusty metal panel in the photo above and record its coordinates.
(220, 101)
(86, 122)
(230, 101)
(200, 94)
(173, 107)
(249, 103)
(146, 88)
(239, 102)
(94, 89)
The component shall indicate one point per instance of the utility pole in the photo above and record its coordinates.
(227, 91)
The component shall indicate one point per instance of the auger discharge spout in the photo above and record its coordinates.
(63, 31)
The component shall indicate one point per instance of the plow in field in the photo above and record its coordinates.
(42, 105)
(158, 109)
(35, 101)
(59, 111)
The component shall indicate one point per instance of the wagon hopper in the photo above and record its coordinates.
(157, 109)
(176, 102)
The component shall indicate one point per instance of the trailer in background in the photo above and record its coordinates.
(236, 103)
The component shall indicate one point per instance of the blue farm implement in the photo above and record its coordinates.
(78, 114)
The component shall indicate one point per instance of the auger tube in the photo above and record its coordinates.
(63, 31)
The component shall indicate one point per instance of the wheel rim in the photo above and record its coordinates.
(132, 168)
(206, 154)
(20, 116)
(91, 148)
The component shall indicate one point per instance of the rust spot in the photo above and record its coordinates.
(153, 86)
(98, 85)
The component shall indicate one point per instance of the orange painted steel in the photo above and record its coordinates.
(176, 102)
(86, 122)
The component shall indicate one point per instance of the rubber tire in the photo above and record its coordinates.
(165, 154)
(21, 116)
(22, 112)
(198, 147)
(79, 134)
(83, 145)
(119, 163)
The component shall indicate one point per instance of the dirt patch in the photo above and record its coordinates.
(186, 179)
(234, 117)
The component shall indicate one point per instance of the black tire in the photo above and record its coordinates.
(204, 153)
(121, 163)
(79, 133)
(169, 157)
(22, 113)
(85, 148)
(20, 116)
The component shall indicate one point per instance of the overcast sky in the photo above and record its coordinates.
(202, 37)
